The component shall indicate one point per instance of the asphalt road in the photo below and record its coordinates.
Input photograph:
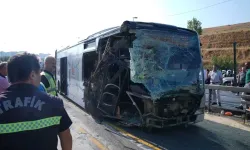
(206, 135)
(89, 135)
(228, 99)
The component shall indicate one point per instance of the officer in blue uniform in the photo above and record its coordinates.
(41, 87)
(31, 119)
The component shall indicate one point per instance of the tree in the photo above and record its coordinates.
(195, 25)
(224, 62)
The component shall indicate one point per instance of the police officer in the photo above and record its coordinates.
(31, 119)
(47, 77)
(42, 88)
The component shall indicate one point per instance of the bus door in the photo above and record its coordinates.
(63, 75)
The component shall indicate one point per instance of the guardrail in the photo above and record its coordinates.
(227, 88)
(245, 98)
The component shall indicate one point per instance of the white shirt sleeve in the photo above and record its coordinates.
(220, 75)
(210, 73)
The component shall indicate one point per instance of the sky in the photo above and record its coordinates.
(42, 26)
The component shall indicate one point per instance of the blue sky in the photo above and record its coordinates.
(46, 25)
(232, 12)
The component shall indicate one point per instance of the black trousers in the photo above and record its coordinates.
(241, 85)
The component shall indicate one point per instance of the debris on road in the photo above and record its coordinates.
(228, 113)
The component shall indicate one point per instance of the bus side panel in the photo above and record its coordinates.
(57, 79)
(74, 73)
(75, 84)
(61, 58)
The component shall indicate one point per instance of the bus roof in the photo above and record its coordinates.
(130, 25)
(102, 32)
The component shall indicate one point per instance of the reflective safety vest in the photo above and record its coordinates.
(29, 125)
(52, 84)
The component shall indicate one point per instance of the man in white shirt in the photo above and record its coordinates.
(216, 79)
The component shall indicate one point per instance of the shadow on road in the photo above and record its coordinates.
(195, 137)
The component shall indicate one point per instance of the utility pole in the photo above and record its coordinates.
(234, 44)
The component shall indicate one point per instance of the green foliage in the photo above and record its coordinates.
(4, 58)
(195, 25)
(223, 62)
(208, 66)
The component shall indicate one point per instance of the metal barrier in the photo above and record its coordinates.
(246, 98)
(227, 88)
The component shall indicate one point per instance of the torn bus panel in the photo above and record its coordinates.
(164, 61)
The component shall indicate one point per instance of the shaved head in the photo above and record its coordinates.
(50, 64)
(49, 59)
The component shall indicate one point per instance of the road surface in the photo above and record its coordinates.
(228, 99)
(217, 133)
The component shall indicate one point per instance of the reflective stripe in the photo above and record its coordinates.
(51, 90)
(29, 125)
(52, 85)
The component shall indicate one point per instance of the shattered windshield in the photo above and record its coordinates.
(166, 61)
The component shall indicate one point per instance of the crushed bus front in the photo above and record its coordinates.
(148, 75)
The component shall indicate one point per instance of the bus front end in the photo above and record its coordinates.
(148, 75)
(165, 63)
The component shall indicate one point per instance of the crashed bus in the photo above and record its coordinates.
(140, 74)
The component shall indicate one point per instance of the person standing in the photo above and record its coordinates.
(241, 78)
(216, 79)
(47, 76)
(4, 84)
(204, 73)
(247, 66)
(42, 88)
(247, 82)
(207, 81)
(31, 119)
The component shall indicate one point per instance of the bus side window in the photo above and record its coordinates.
(88, 64)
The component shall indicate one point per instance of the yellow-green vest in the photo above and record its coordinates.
(52, 84)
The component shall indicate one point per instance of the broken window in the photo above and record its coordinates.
(164, 61)
(88, 64)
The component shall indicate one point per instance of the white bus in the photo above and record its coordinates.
(143, 74)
